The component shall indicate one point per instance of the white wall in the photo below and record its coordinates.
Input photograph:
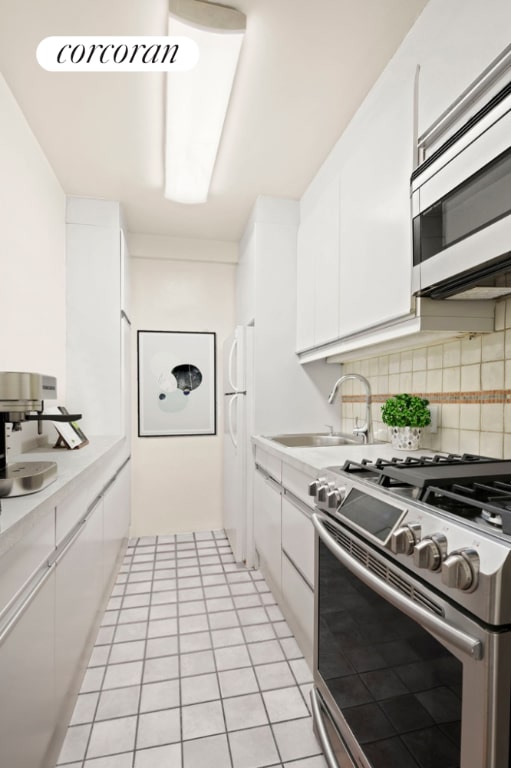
(177, 481)
(32, 253)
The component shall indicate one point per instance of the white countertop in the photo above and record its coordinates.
(307, 459)
(18, 514)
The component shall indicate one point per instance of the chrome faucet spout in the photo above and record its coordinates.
(364, 430)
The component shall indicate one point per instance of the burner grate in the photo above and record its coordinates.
(492, 501)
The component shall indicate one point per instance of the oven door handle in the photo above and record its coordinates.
(468, 645)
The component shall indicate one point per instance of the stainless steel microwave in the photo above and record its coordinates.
(461, 209)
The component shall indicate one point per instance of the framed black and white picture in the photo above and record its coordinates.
(176, 383)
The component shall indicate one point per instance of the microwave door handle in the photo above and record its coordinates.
(468, 645)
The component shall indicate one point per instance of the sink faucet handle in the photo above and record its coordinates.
(330, 428)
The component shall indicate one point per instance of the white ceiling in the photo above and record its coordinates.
(305, 67)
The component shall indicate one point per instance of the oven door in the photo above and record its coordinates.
(402, 677)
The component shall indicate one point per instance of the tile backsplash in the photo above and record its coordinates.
(467, 380)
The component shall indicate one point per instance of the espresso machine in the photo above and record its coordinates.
(22, 397)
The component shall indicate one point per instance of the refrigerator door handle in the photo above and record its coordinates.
(234, 346)
(232, 435)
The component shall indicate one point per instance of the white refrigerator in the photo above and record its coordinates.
(238, 427)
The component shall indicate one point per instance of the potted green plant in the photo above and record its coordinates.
(406, 415)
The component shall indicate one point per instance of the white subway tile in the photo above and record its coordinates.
(419, 381)
(450, 415)
(471, 378)
(492, 417)
(434, 380)
(500, 315)
(394, 363)
(492, 375)
(383, 365)
(493, 346)
(491, 444)
(394, 383)
(470, 416)
(451, 379)
(435, 356)
(507, 417)
(450, 440)
(419, 359)
(471, 350)
(405, 382)
(507, 447)
(469, 441)
(452, 354)
(406, 361)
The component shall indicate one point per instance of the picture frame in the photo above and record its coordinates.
(176, 374)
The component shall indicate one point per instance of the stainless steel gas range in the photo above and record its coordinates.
(412, 658)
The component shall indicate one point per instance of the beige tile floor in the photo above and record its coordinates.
(194, 666)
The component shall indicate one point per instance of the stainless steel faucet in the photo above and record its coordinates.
(364, 429)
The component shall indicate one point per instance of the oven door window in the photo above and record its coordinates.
(397, 688)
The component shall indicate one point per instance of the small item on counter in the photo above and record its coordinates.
(406, 415)
(70, 434)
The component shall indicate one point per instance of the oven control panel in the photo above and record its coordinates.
(458, 569)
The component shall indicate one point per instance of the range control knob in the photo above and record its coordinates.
(335, 497)
(460, 569)
(315, 485)
(404, 539)
(323, 491)
(429, 552)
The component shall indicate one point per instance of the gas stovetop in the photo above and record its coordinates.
(473, 487)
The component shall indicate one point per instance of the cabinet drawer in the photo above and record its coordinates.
(19, 564)
(298, 538)
(270, 463)
(299, 602)
(298, 483)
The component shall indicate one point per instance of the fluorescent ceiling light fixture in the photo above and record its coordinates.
(197, 100)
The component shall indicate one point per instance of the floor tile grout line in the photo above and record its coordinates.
(224, 573)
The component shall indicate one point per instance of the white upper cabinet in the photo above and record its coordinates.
(375, 223)
(454, 43)
(97, 293)
(318, 271)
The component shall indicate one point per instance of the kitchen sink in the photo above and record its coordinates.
(315, 440)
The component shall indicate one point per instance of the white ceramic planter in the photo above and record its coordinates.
(405, 438)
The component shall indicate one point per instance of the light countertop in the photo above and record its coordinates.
(307, 459)
(18, 514)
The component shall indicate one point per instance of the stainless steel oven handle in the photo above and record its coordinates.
(460, 640)
(321, 731)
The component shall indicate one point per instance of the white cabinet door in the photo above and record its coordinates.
(299, 601)
(454, 43)
(298, 538)
(116, 515)
(79, 591)
(267, 527)
(27, 675)
(375, 226)
(305, 281)
(318, 271)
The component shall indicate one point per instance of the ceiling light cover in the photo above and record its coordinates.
(197, 100)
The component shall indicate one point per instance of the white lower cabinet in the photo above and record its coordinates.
(298, 571)
(284, 540)
(117, 505)
(27, 675)
(299, 600)
(49, 620)
(79, 592)
(267, 527)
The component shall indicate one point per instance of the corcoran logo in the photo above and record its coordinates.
(117, 54)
